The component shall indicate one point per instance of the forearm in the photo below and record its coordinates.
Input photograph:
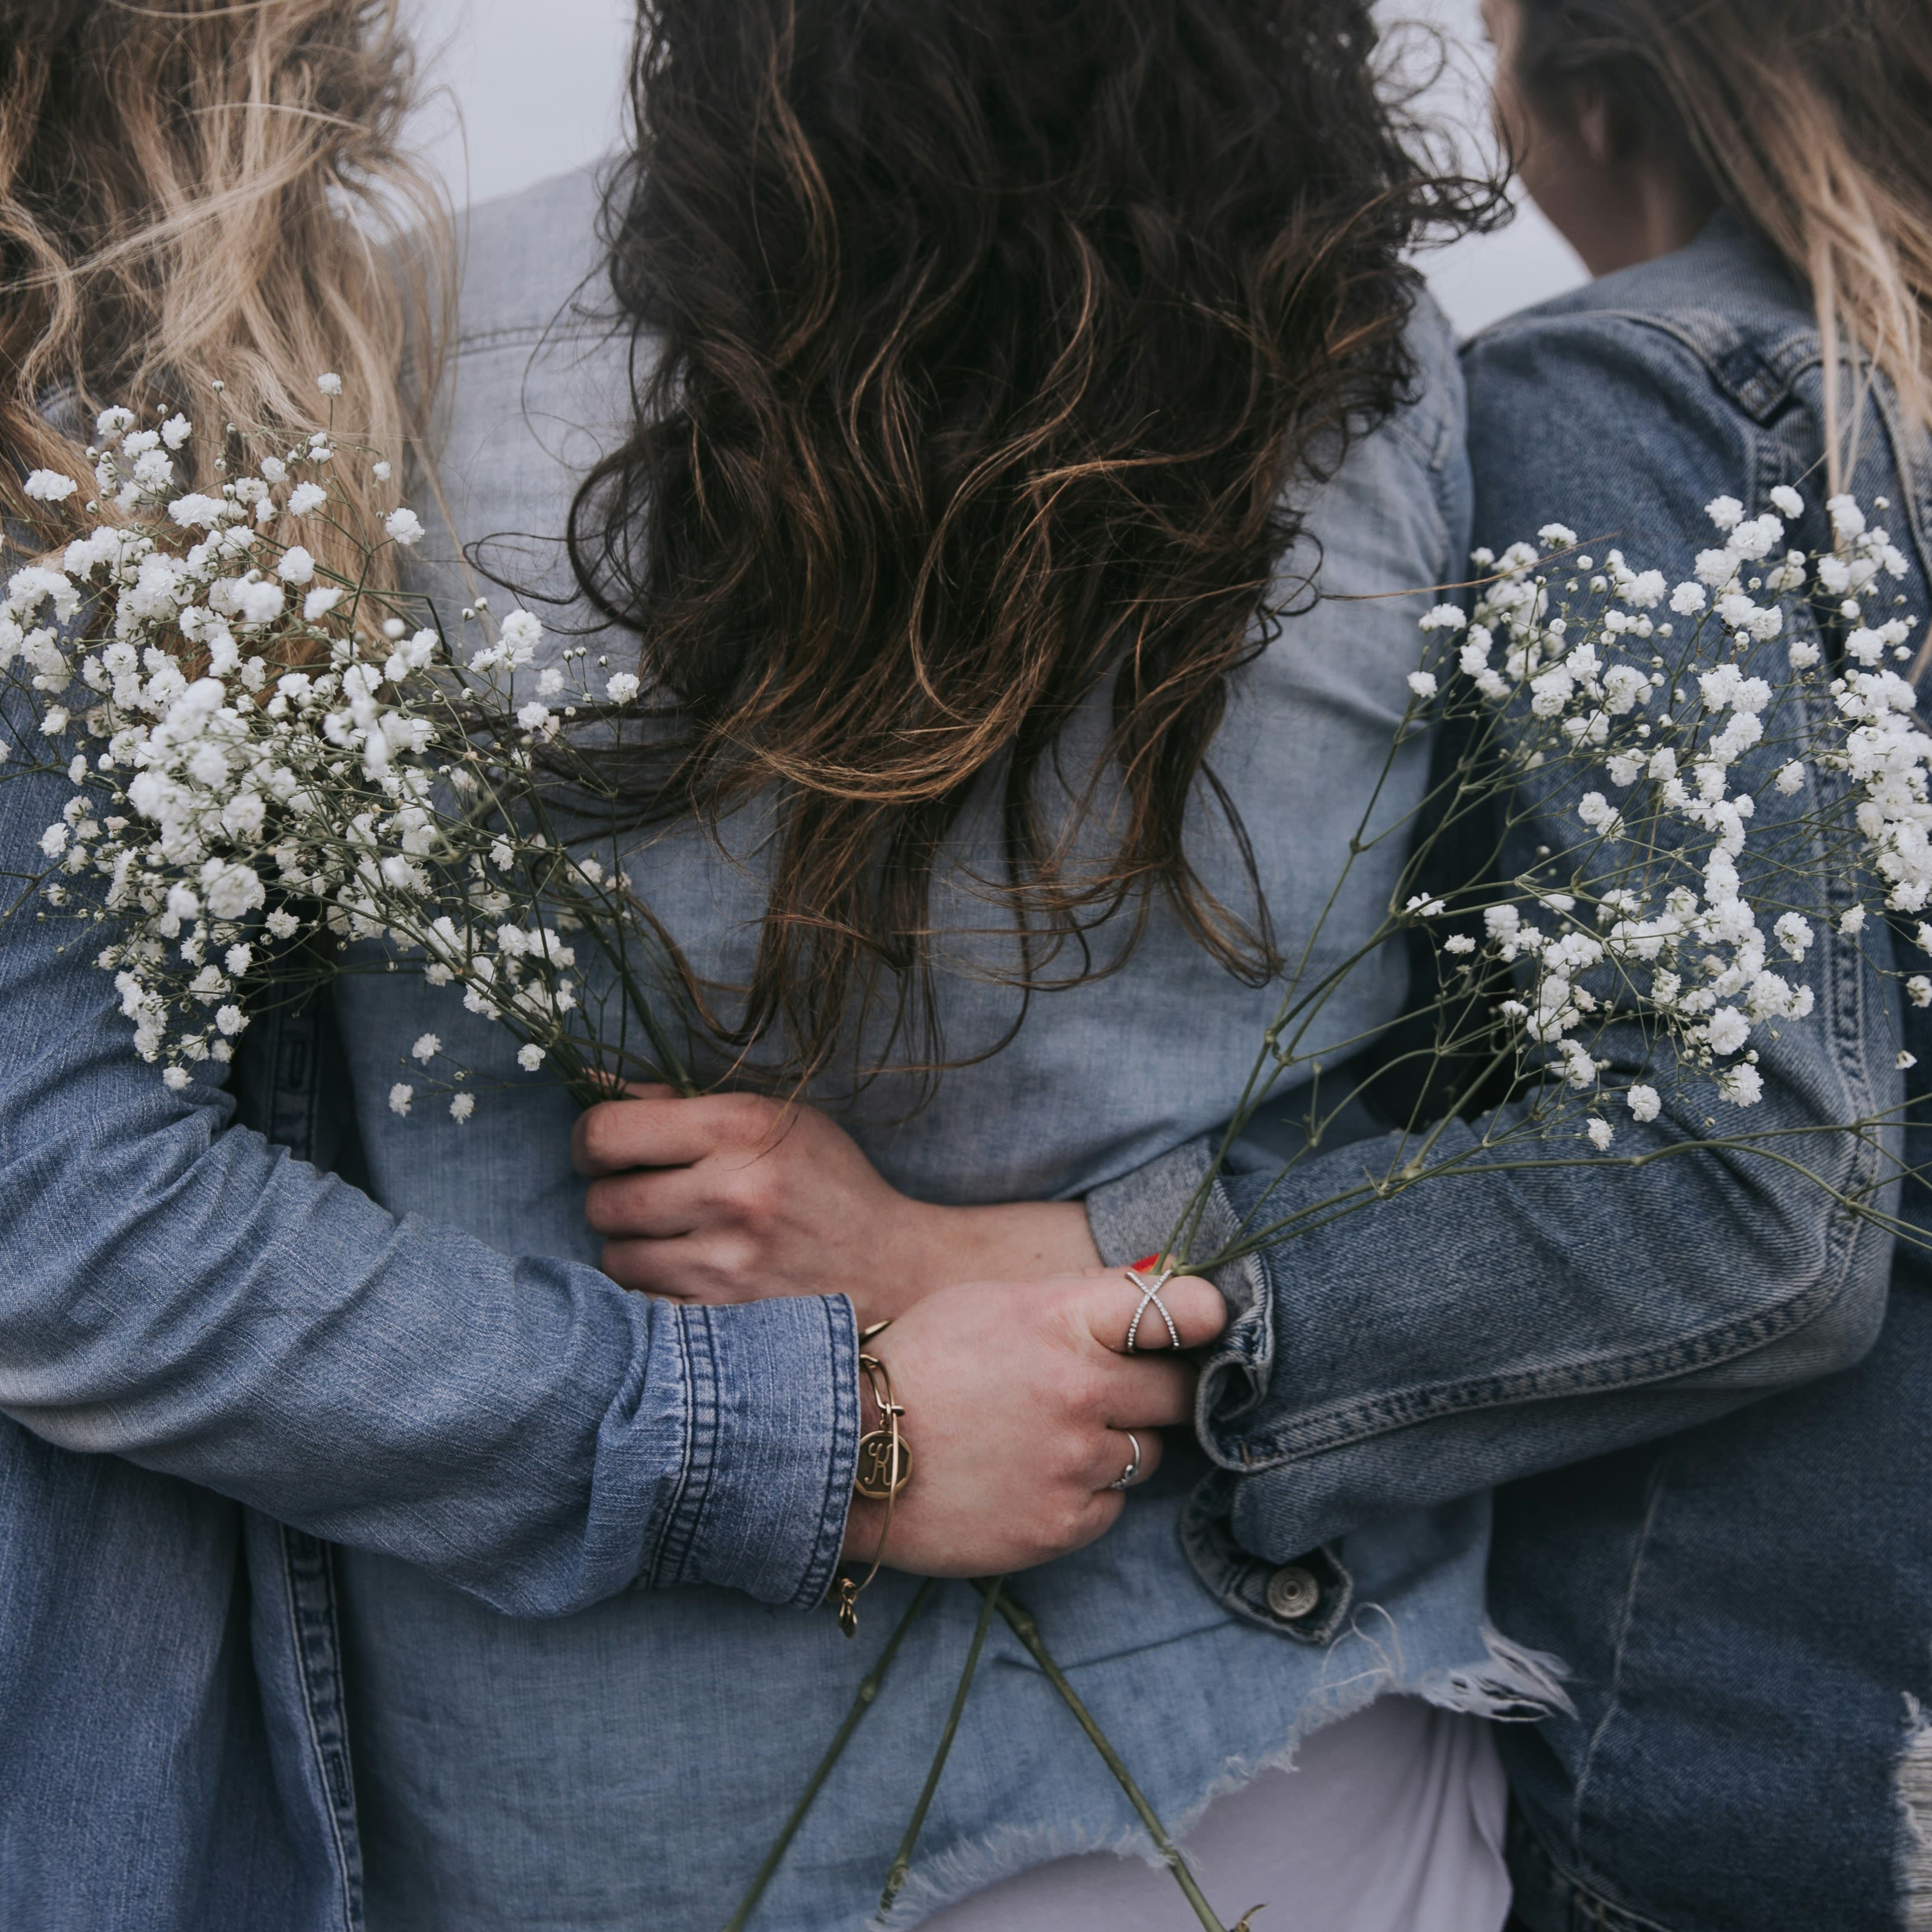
(1528, 1305)
(188, 1297)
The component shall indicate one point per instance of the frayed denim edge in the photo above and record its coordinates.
(1517, 1684)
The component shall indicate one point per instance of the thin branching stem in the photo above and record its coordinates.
(861, 1702)
(902, 1864)
(1022, 1625)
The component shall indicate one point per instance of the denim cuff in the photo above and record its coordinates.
(771, 1449)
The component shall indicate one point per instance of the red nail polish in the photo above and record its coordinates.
(1147, 1262)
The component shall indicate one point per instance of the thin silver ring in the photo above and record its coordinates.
(1150, 1298)
(1133, 1469)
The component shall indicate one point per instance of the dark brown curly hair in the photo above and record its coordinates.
(983, 352)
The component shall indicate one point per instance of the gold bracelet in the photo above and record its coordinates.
(885, 1467)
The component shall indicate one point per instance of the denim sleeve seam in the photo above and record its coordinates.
(1435, 463)
(678, 1536)
(1339, 1428)
(842, 1464)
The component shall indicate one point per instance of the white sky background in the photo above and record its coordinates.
(539, 85)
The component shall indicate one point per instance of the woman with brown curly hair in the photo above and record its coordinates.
(1008, 442)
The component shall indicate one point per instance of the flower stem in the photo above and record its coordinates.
(868, 1690)
(902, 1864)
(1023, 1627)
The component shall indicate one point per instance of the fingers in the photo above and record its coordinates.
(1112, 1301)
(1138, 1394)
(654, 1204)
(662, 1130)
(1121, 1449)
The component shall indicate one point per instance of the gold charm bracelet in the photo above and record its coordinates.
(885, 1467)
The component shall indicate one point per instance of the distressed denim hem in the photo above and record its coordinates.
(1550, 1898)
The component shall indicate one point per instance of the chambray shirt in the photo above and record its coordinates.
(629, 1765)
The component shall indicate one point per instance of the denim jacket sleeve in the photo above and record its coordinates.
(1460, 1334)
(179, 1292)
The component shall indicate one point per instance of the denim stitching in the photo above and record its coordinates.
(310, 1599)
(842, 1464)
(1626, 1615)
(672, 1548)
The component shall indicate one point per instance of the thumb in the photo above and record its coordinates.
(1116, 1296)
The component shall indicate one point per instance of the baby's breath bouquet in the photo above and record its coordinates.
(1714, 772)
(270, 760)
(1649, 802)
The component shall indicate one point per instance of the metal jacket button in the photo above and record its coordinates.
(1292, 1591)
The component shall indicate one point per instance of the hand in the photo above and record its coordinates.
(1018, 1397)
(732, 1197)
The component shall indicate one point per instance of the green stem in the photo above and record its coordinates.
(902, 1864)
(1023, 1627)
(868, 1690)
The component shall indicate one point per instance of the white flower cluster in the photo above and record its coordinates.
(1647, 905)
(251, 772)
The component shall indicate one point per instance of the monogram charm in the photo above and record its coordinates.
(878, 1477)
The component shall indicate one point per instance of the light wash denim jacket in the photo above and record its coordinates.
(1743, 1605)
(200, 1334)
(630, 1765)
(1747, 1606)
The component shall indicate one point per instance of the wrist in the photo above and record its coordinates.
(1011, 1241)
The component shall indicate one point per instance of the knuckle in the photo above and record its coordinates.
(602, 1210)
(594, 1135)
(743, 1118)
(756, 1192)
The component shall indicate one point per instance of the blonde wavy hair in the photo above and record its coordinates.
(1811, 121)
(197, 191)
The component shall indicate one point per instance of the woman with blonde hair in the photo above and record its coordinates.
(1747, 1606)
(211, 1356)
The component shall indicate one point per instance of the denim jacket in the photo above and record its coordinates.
(631, 1765)
(213, 1356)
(1737, 1578)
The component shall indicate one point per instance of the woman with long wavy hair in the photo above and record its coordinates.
(1008, 442)
(212, 1356)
